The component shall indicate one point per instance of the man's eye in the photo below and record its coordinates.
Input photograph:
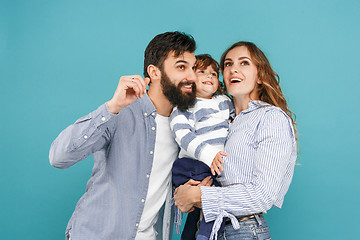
(227, 64)
(244, 63)
(214, 74)
(200, 71)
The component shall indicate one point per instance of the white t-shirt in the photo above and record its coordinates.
(165, 153)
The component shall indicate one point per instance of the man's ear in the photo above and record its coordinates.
(154, 72)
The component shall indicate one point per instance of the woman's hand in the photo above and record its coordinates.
(188, 196)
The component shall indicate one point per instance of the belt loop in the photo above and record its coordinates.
(257, 217)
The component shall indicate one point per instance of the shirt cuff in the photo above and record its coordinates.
(96, 119)
(211, 202)
(104, 110)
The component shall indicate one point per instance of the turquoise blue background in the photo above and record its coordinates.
(59, 60)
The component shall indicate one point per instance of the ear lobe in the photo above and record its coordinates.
(154, 72)
(259, 81)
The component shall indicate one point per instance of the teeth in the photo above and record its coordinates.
(235, 80)
(208, 83)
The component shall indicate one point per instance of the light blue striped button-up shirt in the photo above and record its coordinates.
(123, 146)
(258, 170)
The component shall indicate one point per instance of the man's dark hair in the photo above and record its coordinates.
(161, 45)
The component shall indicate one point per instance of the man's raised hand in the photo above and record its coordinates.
(128, 90)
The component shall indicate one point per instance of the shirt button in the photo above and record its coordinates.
(145, 114)
(85, 136)
(153, 114)
(103, 119)
(153, 128)
(137, 225)
(142, 200)
(147, 175)
(151, 152)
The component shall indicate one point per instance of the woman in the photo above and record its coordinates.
(261, 148)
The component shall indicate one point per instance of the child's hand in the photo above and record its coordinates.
(216, 163)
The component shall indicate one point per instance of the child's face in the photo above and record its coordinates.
(206, 83)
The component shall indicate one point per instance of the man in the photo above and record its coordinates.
(133, 147)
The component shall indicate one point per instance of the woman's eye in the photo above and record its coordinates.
(244, 63)
(200, 71)
(227, 64)
(182, 67)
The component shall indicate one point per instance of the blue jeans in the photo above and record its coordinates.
(255, 228)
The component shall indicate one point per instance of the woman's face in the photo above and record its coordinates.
(240, 74)
(207, 82)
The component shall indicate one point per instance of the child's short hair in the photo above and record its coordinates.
(205, 60)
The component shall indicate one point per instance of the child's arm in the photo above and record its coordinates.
(183, 127)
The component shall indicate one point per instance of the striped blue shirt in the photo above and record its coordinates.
(201, 131)
(123, 146)
(258, 170)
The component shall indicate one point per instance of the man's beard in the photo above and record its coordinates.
(182, 101)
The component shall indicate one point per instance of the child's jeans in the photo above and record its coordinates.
(183, 170)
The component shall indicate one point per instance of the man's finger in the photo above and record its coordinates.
(209, 183)
(134, 86)
(191, 209)
(205, 181)
(147, 81)
(139, 82)
(192, 182)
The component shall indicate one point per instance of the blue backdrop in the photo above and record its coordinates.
(59, 60)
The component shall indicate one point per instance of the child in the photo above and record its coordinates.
(201, 132)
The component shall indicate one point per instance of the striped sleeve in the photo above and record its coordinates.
(270, 179)
(195, 145)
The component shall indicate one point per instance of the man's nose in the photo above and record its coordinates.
(191, 76)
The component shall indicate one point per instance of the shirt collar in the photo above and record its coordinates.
(148, 107)
(255, 104)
